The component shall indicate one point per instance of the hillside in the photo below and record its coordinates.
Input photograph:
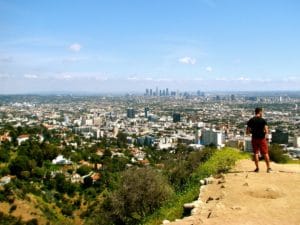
(245, 197)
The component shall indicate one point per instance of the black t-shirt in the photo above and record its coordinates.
(257, 127)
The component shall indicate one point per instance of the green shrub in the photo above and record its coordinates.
(277, 154)
(140, 193)
(83, 170)
(67, 210)
(221, 162)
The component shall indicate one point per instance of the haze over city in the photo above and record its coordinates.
(128, 46)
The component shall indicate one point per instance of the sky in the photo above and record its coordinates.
(112, 46)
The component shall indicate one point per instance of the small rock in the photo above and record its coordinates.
(209, 180)
(189, 205)
(202, 188)
(222, 186)
(166, 221)
(246, 184)
(209, 199)
(202, 182)
(221, 181)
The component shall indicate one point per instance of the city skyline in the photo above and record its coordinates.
(118, 46)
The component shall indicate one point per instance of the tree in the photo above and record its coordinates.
(87, 182)
(122, 139)
(178, 173)
(83, 170)
(4, 155)
(19, 164)
(140, 192)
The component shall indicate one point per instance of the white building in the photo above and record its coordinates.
(61, 160)
(211, 136)
(5, 180)
(22, 138)
(297, 142)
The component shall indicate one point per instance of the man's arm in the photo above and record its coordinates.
(266, 130)
(248, 130)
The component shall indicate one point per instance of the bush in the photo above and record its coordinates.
(84, 170)
(277, 154)
(221, 162)
(141, 192)
(67, 210)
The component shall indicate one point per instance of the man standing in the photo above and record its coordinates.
(257, 126)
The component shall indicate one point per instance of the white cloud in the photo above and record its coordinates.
(30, 76)
(243, 79)
(71, 60)
(187, 60)
(198, 79)
(221, 79)
(208, 69)
(8, 59)
(5, 75)
(291, 78)
(133, 78)
(75, 47)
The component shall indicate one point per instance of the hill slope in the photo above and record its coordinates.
(245, 197)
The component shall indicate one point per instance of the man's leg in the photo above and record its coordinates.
(267, 159)
(256, 159)
(255, 149)
(265, 152)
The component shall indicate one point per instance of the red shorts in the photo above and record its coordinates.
(260, 145)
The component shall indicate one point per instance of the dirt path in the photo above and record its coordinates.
(244, 197)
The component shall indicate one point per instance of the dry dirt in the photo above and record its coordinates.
(244, 197)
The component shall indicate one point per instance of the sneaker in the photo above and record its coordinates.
(256, 170)
(269, 170)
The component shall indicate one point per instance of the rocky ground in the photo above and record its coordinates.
(245, 197)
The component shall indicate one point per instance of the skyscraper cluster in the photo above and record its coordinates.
(158, 92)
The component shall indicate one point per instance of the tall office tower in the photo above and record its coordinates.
(164, 93)
(232, 97)
(167, 91)
(176, 117)
(156, 92)
(160, 93)
(147, 92)
(146, 112)
(151, 93)
(130, 113)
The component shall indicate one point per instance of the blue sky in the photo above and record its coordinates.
(116, 46)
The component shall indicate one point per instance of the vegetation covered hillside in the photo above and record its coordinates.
(100, 183)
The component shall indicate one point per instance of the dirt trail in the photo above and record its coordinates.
(244, 197)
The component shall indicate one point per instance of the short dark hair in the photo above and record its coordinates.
(258, 110)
